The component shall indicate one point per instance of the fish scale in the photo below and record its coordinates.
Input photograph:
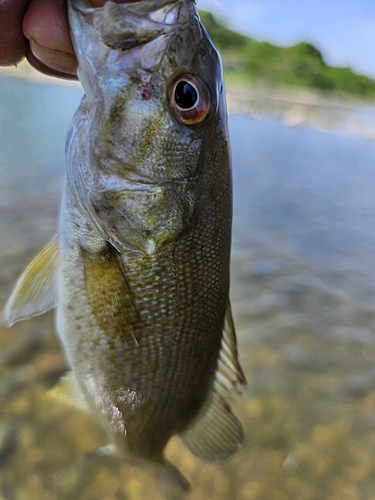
(139, 272)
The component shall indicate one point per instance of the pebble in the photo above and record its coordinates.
(301, 358)
(358, 385)
(349, 334)
(8, 441)
(22, 353)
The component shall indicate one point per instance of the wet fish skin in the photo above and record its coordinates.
(144, 236)
(132, 143)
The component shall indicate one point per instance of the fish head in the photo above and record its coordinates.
(154, 101)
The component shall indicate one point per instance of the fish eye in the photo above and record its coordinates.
(186, 95)
(189, 99)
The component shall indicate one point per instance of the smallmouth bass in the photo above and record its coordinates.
(139, 272)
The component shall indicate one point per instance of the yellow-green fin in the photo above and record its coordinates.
(36, 289)
(110, 295)
(215, 433)
(68, 393)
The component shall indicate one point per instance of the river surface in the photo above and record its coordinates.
(303, 294)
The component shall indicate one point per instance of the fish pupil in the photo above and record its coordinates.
(185, 95)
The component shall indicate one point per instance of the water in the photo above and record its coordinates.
(303, 293)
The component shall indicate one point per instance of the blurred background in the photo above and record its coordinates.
(301, 95)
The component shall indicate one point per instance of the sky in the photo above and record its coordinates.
(343, 30)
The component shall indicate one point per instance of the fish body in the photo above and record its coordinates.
(140, 270)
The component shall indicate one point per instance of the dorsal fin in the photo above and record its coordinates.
(36, 289)
(215, 432)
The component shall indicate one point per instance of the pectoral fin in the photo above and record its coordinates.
(36, 290)
(110, 296)
(215, 433)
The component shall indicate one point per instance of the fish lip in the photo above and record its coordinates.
(141, 183)
(132, 32)
(135, 8)
(118, 22)
(167, 182)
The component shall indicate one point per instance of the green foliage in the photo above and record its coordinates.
(223, 38)
(262, 62)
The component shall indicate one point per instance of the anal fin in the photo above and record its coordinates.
(36, 289)
(215, 432)
(229, 374)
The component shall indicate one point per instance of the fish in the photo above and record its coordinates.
(139, 271)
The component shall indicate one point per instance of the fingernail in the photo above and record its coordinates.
(58, 61)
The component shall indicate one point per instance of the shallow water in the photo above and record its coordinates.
(303, 293)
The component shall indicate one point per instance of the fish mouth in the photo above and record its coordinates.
(114, 183)
(128, 25)
(164, 182)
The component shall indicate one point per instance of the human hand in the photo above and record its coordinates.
(39, 31)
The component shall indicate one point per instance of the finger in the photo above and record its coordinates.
(100, 3)
(48, 70)
(13, 44)
(45, 24)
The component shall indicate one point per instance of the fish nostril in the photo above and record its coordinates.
(147, 92)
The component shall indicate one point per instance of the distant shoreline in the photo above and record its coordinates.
(294, 107)
(300, 107)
